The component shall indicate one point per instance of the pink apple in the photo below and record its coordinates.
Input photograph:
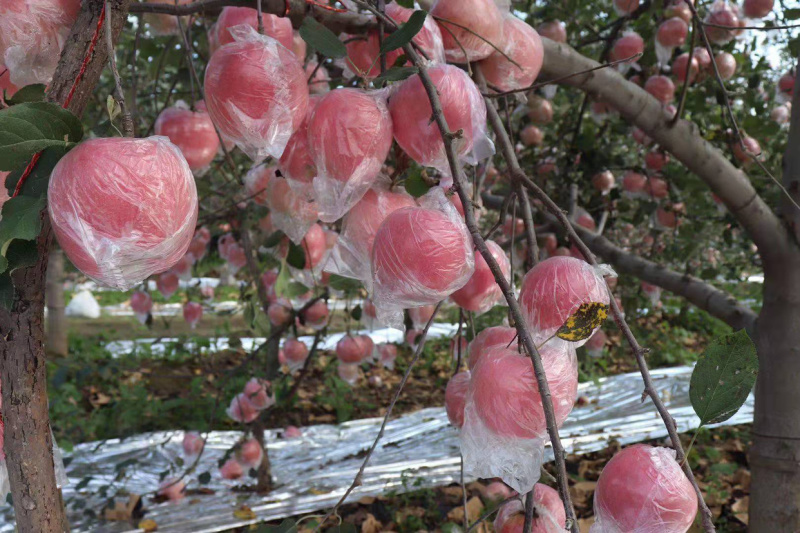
(316, 316)
(292, 432)
(167, 283)
(657, 188)
(231, 470)
(387, 353)
(672, 32)
(193, 443)
(256, 93)
(603, 181)
(721, 14)
(680, 67)
(482, 292)
(192, 313)
(256, 183)
(634, 183)
(726, 65)
(540, 111)
(279, 28)
(296, 352)
(428, 39)
(350, 350)
(596, 343)
(549, 514)
(172, 489)
(751, 146)
(488, 339)
(555, 30)
(257, 392)
(786, 84)
(524, 46)
(421, 315)
(455, 396)
(625, 7)
(626, 46)
(531, 135)
(192, 132)
(296, 163)
(756, 9)
(656, 160)
(250, 454)
(482, 17)
(420, 256)
(505, 392)
(142, 305)
(661, 87)
(642, 488)
(554, 289)
(463, 106)
(280, 313)
(112, 225)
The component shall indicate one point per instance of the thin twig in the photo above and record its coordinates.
(358, 480)
(441, 20)
(485, 516)
(688, 76)
(562, 78)
(119, 95)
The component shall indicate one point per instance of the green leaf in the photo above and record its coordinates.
(414, 184)
(37, 181)
(723, 377)
(204, 478)
(29, 93)
(274, 239)
(396, 74)
(404, 33)
(21, 254)
(20, 219)
(322, 39)
(287, 526)
(791, 14)
(341, 283)
(406, 3)
(296, 256)
(356, 313)
(31, 127)
(285, 287)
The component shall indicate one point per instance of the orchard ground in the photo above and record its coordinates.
(95, 396)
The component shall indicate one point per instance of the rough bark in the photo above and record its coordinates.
(28, 441)
(716, 302)
(54, 297)
(775, 454)
(682, 140)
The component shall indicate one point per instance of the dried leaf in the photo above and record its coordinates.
(148, 525)
(244, 513)
(371, 525)
(583, 322)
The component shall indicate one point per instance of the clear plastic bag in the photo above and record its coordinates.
(296, 163)
(256, 93)
(483, 17)
(32, 34)
(455, 397)
(279, 28)
(351, 255)
(496, 336)
(482, 292)
(523, 45)
(421, 255)
(554, 289)
(107, 201)
(549, 514)
(463, 108)
(349, 137)
(504, 423)
(256, 183)
(192, 132)
(642, 489)
(291, 213)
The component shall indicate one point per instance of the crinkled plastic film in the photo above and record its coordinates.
(464, 109)
(351, 255)
(296, 163)
(279, 28)
(107, 200)
(483, 17)
(32, 34)
(290, 212)
(256, 93)
(256, 183)
(505, 428)
(482, 292)
(420, 256)
(429, 38)
(493, 337)
(643, 490)
(455, 397)
(192, 132)
(524, 46)
(349, 137)
(554, 289)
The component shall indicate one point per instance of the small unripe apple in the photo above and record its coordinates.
(231, 470)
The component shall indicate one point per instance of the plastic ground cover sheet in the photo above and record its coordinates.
(312, 472)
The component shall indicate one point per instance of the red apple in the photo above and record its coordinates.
(524, 46)
(482, 17)
(455, 396)
(482, 292)
(192, 132)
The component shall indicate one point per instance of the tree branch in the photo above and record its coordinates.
(682, 140)
(716, 302)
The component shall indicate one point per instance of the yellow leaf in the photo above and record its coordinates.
(148, 525)
(583, 322)
(244, 513)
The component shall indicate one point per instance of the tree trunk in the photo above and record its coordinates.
(775, 454)
(28, 441)
(54, 295)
